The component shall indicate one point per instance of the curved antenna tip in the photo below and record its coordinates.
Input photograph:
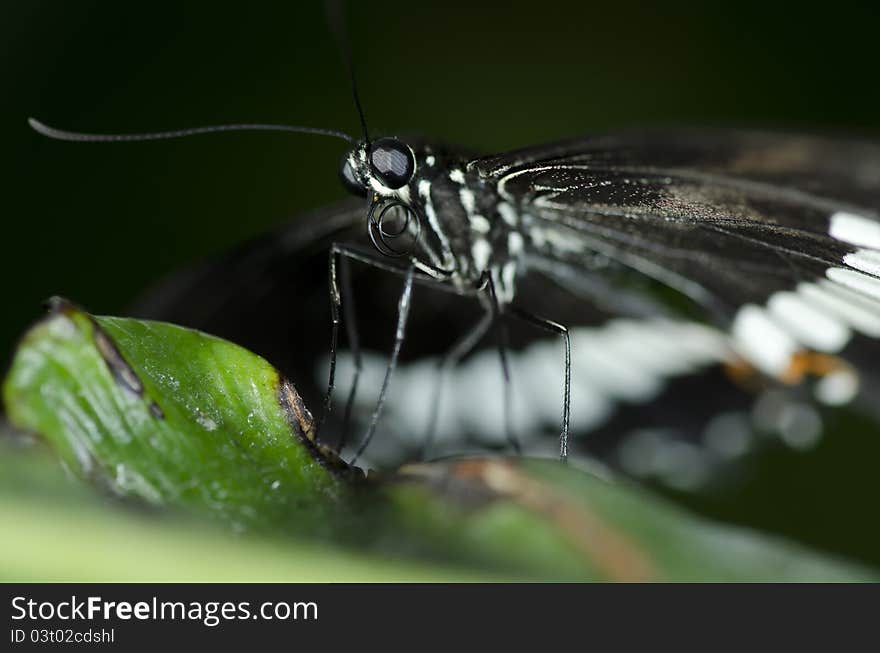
(45, 130)
(62, 135)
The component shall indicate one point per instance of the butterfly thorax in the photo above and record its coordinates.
(464, 230)
(478, 233)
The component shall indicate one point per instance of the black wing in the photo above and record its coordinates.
(777, 234)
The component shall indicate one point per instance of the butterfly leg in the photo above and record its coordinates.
(348, 310)
(554, 327)
(449, 360)
(341, 299)
(335, 302)
(402, 315)
(501, 326)
(339, 277)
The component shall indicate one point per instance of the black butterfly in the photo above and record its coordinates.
(695, 252)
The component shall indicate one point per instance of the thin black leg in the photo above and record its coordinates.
(503, 346)
(450, 359)
(335, 302)
(348, 311)
(502, 334)
(555, 327)
(402, 315)
(337, 274)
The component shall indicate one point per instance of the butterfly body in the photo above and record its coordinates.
(465, 230)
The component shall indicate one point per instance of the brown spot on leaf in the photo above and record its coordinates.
(302, 423)
(156, 410)
(121, 370)
(612, 551)
(297, 413)
(467, 490)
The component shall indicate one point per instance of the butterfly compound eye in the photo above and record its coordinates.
(351, 182)
(392, 162)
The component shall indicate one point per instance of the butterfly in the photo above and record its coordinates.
(749, 261)
(694, 270)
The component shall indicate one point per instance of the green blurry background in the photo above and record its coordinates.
(97, 223)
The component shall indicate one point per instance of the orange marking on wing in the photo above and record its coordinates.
(810, 363)
(803, 364)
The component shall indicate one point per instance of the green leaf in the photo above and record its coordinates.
(173, 416)
(583, 525)
(180, 419)
(59, 531)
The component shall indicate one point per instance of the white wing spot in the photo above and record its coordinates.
(855, 229)
(866, 260)
(761, 341)
(810, 325)
(851, 308)
(857, 281)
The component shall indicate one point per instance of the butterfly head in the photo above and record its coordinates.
(384, 167)
(387, 172)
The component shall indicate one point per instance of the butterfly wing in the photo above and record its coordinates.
(776, 235)
(842, 170)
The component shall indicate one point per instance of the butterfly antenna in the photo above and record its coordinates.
(336, 19)
(63, 135)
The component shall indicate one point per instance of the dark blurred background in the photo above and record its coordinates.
(98, 223)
